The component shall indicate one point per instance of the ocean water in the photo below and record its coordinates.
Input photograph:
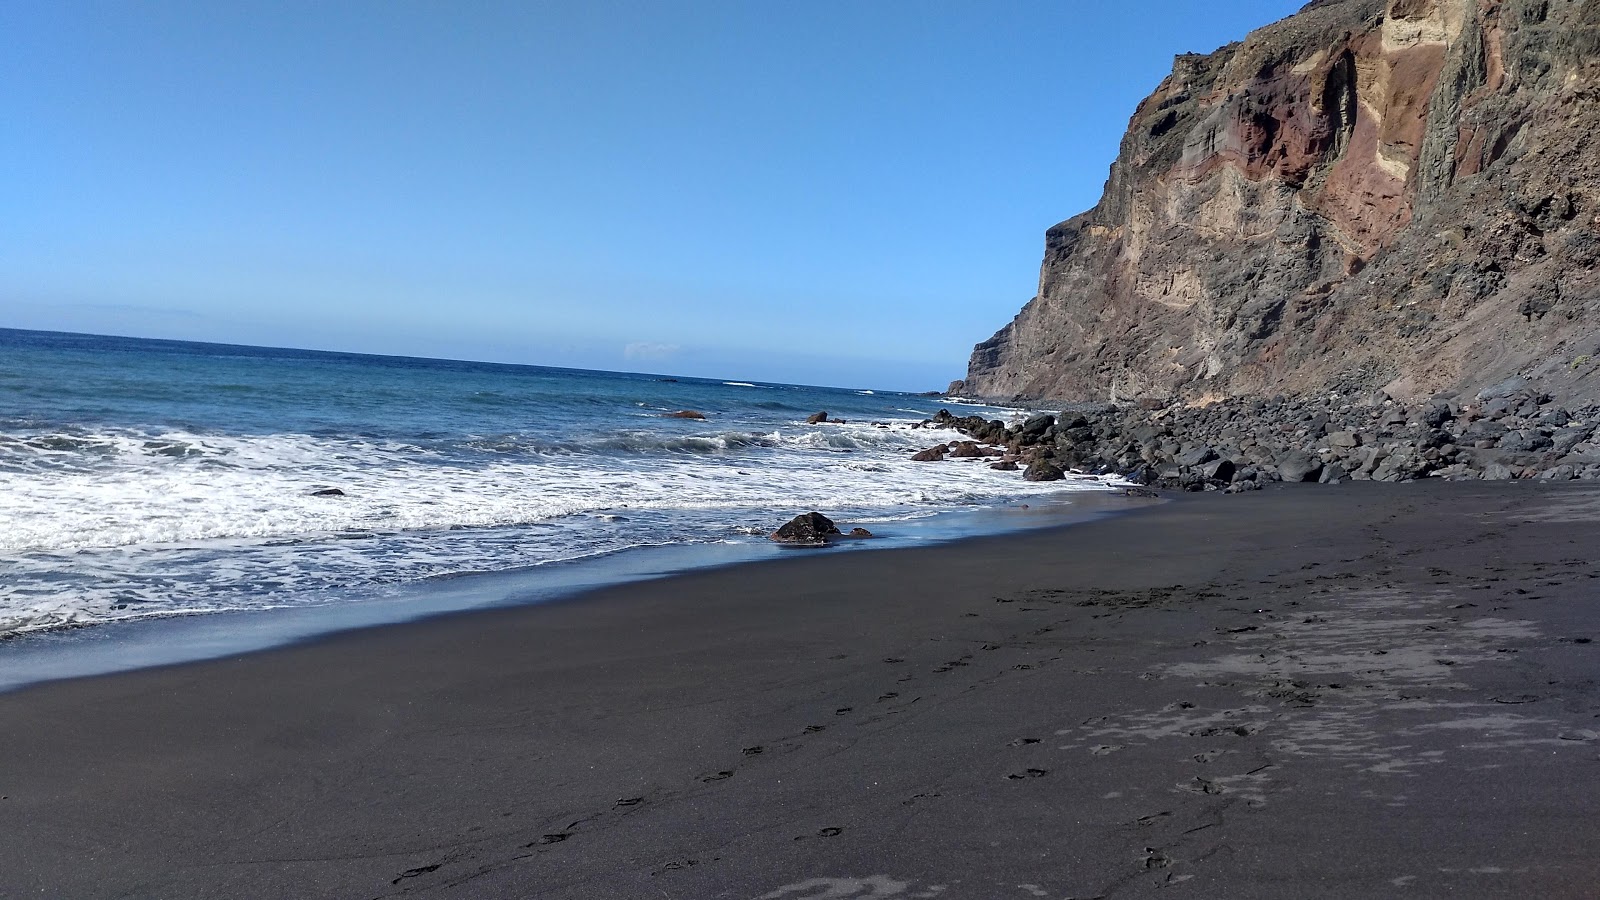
(147, 478)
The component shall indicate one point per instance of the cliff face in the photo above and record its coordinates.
(1367, 194)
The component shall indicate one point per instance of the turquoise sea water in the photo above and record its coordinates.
(147, 478)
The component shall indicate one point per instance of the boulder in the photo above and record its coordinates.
(965, 450)
(1497, 472)
(932, 454)
(1503, 389)
(684, 414)
(1435, 415)
(810, 529)
(1004, 466)
(1040, 470)
(1563, 440)
(1196, 456)
(860, 533)
(1554, 418)
(817, 418)
(328, 492)
(1525, 441)
(1035, 428)
(1218, 470)
(1297, 466)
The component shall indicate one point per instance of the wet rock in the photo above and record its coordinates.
(1040, 470)
(817, 418)
(932, 454)
(859, 532)
(810, 529)
(684, 414)
(328, 492)
(1036, 427)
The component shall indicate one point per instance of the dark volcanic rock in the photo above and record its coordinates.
(1036, 427)
(328, 492)
(1196, 456)
(932, 454)
(1218, 470)
(684, 414)
(817, 418)
(1394, 194)
(810, 529)
(1039, 470)
(1326, 438)
(1297, 466)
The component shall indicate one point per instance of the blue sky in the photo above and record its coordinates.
(838, 193)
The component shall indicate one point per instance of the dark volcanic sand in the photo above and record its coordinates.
(1356, 691)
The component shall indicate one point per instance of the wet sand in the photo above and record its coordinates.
(1354, 691)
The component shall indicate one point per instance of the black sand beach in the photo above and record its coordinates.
(1347, 691)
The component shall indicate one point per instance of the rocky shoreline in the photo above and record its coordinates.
(1508, 431)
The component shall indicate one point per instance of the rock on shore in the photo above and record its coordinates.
(810, 529)
(1507, 431)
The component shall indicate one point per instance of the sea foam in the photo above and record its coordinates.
(227, 481)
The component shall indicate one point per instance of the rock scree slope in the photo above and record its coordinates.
(1367, 194)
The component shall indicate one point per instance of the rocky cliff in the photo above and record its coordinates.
(1366, 194)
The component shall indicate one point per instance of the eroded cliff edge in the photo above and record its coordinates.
(1366, 194)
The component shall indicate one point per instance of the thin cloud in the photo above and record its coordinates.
(650, 350)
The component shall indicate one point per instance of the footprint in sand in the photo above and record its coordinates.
(829, 831)
(413, 873)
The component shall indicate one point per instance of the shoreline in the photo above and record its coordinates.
(1351, 690)
(102, 648)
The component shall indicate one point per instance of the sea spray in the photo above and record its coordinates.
(185, 478)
